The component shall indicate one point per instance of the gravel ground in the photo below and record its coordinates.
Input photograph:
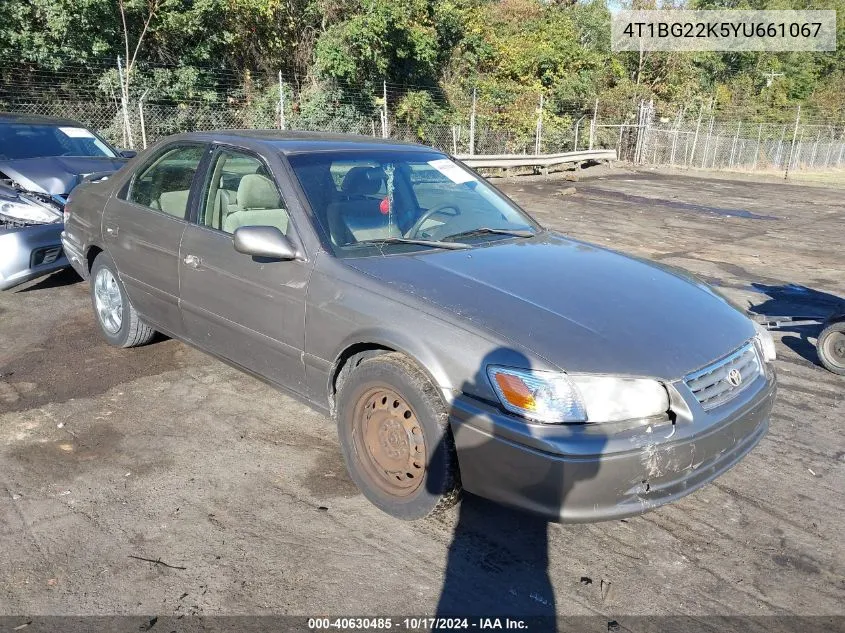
(164, 453)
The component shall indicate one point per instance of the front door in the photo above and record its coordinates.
(247, 310)
(143, 229)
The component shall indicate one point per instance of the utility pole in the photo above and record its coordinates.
(770, 77)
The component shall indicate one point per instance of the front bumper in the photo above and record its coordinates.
(28, 252)
(585, 473)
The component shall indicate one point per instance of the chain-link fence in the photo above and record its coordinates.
(461, 122)
(708, 141)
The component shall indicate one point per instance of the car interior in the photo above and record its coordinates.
(242, 192)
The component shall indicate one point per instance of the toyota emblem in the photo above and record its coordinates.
(734, 377)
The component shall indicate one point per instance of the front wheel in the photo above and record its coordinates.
(831, 347)
(395, 437)
(118, 320)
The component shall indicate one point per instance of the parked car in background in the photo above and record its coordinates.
(41, 160)
(455, 341)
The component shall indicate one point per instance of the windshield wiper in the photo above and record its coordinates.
(485, 230)
(406, 240)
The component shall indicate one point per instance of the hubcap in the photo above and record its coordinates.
(834, 347)
(108, 301)
(390, 441)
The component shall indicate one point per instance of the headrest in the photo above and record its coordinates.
(258, 192)
(363, 180)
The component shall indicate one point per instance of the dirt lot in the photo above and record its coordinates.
(164, 453)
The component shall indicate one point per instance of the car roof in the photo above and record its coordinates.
(293, 142)
(36, 119)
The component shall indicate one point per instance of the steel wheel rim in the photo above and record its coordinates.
(390, 442)
(834, 349)
(108, 301)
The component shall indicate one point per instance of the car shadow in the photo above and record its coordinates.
(798, 301)
(63, 277)
(498, 560)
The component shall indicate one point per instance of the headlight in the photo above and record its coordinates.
(555, 397)
(27, 212)
(765, 342)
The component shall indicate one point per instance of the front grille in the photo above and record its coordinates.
(712, 385)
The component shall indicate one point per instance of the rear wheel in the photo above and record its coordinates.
(395, 438)
(119, 322)
(831, 347)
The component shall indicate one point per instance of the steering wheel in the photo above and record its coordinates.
(413, 232)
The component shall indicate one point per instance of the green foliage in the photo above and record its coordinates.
(387, 40)
(327, 107)
(418, 110)
(510, 51)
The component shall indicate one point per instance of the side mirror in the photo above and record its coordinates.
(263, 241)
(127, 153)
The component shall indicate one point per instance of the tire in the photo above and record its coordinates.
(388, 415)
(119, 322)
(831, 347)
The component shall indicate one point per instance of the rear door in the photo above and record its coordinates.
(143, 227)
(248, 310)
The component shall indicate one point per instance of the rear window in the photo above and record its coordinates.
(22, 141)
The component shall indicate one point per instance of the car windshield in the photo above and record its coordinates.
(379, 202)
(21, 141)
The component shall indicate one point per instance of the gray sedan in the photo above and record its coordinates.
(457, 344)
(41, 160)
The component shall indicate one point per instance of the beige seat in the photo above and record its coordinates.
(258, 204)
(172, 202)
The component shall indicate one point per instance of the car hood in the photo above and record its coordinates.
(580, 307)
(56, 175)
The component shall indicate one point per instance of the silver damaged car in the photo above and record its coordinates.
(456, 343)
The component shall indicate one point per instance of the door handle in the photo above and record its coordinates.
(111, 230)
(192, 260)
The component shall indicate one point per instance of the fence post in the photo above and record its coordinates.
(593, 123)
(695, 138)
(472, 125)
(141, 118)
(841, 147)
(124, 102)
(384, 111)
(539, 139)
(707, 141)
(282, 124)
(577, 127)
(792, 147)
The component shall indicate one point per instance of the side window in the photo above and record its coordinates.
(241, 192)
(166, 184)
